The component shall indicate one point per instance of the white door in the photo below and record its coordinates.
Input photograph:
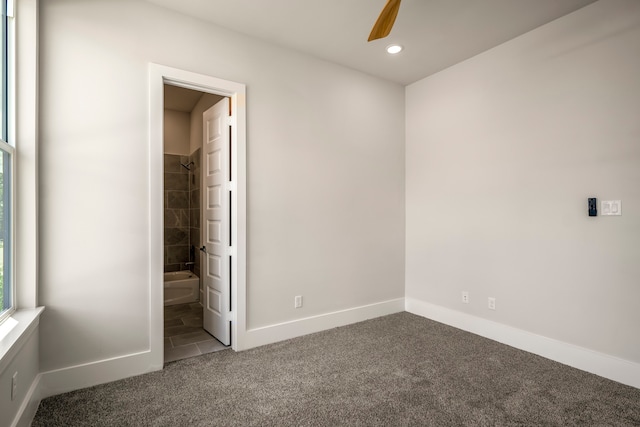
(216, 192)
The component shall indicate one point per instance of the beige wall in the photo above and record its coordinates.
(325, 159)
(503, 151)
(177, 132)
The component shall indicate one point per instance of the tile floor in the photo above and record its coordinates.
(183, 333)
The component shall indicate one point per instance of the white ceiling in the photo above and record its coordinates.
(435, 33)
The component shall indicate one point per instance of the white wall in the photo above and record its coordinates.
(325, 175)
(21, 359)
(503, 151)
(26, 365)
(177, 132)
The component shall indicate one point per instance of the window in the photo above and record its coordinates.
(7, 286)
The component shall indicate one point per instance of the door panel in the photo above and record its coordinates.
(216, 216)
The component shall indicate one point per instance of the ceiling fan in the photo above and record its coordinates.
(383, 25)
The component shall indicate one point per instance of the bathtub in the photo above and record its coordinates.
(181, 287)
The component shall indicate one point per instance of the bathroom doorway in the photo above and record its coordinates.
(182, 254)
(184, 332)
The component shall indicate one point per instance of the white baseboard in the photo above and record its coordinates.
(604, 365)
(99, 372)
(113, 369)
(89, 374)
(29, 406)
(308, 325)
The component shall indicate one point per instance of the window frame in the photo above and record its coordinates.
(10, 245)
(7, 138)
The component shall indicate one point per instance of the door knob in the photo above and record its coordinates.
(204, 249)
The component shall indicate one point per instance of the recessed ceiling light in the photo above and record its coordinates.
(394, 48)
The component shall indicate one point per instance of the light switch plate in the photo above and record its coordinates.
(611, 207)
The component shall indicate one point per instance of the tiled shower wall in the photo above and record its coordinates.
(176, 213)
(194, 208)
(181, 212)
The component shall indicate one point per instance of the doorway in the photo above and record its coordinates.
(235, 92)
(189, 329)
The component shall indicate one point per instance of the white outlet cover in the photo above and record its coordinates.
(611, 207)
(14, 386)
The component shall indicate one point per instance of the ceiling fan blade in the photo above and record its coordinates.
(385, 21)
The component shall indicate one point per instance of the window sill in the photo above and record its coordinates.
(15, 331)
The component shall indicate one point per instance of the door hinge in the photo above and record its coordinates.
(231, 186)
(231, 121)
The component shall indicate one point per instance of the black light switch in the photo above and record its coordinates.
(593, 207)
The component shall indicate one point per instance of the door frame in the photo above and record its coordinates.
(159, 75)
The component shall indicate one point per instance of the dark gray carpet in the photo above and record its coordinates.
(395, 370)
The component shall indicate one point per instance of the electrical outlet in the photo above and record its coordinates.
(491, 303)
(14, 386)
(297, 302)
(465, 297)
